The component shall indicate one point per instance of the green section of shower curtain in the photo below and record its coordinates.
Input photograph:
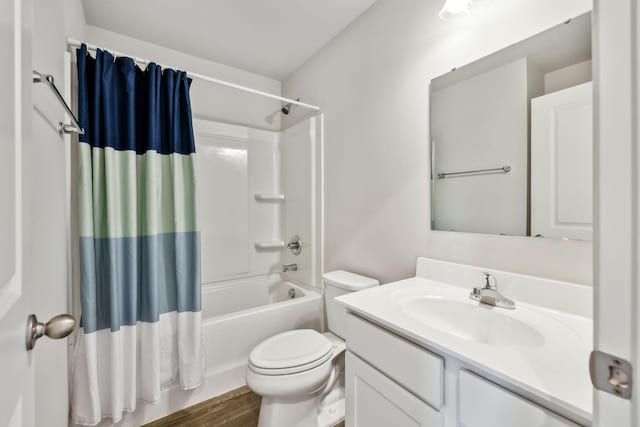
(126, 194)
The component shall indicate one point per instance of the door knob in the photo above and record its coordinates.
(58, 327)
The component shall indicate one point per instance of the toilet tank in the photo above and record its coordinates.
(337, 283)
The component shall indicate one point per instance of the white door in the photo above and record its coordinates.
(562, 163)
(16, 388)
(617, 202)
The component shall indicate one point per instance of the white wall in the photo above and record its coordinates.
(208, 101)
(74, 18)
(372, 84)
(481, 123)
(566, 77)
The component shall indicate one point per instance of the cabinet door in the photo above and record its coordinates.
(399, 361)
(484, 404)
(373, 400)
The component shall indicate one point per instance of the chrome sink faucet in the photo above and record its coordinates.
(488, 294)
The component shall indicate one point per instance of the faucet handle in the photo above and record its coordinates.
(490, 281)
(475, 293)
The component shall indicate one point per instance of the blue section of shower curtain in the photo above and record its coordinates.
(136, 279)
(126, 108)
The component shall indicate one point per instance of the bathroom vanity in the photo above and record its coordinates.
(421, 352)
(511, 154)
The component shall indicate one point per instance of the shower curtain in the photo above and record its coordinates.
(139, 244)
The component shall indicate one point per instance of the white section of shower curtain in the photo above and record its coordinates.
(133, 364)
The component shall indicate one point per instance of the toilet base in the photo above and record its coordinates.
(332, 413)
(278, 412)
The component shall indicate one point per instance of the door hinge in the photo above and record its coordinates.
(611, 374)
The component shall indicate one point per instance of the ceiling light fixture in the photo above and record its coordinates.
(455, 9)
(479, 2)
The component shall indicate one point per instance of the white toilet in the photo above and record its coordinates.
(300, 373)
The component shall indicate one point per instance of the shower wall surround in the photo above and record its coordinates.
(376, 105)
(300, 150)
(236, 165)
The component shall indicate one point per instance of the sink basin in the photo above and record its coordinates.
(471, 321)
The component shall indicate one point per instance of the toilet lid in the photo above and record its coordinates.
(290, 352)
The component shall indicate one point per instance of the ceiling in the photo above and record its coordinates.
(269, 37)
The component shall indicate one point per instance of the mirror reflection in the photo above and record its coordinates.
(511, 139)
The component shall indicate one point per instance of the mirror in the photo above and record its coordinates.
(512, 139)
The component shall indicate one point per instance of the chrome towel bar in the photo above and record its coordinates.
(62, 127)
(504, 169)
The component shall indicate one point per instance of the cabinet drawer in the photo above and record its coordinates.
(485, 404)
(416, 369)
(373, 400)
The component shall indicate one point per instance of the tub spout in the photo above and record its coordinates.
(289, 267)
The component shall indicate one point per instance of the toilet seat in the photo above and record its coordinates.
(290, 353)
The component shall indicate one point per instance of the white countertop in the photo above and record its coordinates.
(555, 370)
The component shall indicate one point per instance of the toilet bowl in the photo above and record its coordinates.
(299, 373)
(289, 371)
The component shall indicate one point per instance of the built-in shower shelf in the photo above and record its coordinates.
(267, 197)
(271, 245)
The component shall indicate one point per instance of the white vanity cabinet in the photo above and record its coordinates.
(484, 404)
(393, 382)
(373, 400)
(398, 397)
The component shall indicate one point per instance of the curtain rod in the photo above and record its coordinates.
(77, 43)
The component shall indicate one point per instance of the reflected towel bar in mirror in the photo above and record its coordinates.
(504, 169)
(62, 127)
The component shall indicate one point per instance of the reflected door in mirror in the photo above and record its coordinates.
(561, 163)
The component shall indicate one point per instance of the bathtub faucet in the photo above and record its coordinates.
(289, 267)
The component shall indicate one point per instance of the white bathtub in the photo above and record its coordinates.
(237, 315)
